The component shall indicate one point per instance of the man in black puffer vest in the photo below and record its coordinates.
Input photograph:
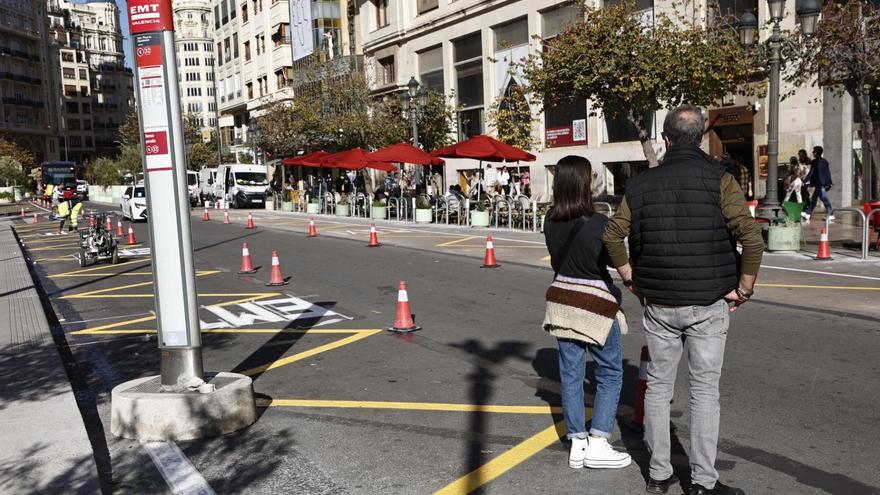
(684, 219)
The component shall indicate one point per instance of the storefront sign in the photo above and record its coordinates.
(573, 135)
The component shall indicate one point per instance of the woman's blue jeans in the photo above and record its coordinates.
(609, 381)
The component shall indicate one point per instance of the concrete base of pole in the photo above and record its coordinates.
(142, 410)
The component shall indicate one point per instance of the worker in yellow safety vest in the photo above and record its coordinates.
(69, 209)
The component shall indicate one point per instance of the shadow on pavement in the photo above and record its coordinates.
(480, 393)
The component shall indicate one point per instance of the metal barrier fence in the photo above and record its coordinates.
(865, 225)
(521, 213)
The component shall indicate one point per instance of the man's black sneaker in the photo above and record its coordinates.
(720, 489)
(661, 486)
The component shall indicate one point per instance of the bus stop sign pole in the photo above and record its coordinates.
(164, 159)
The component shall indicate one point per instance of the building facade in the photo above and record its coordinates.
(194, 39)
(26, 82)
(96, 88)
(465, 48)
(255, 59)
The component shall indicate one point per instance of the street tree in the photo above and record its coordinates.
(437, 121)
(129, 160)
(511, 117)
(11, 172)
(629, 68)
(202, 155)
(104, 172)
(192, 129)
(844, 56)
(25, 158)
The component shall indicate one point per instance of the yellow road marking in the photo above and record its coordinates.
(456, 241)
(504, 462)
(86, 270)
(546, 258)
(54, 248)
(409, 406)
(311, 352)
(221, 330)
(340, 226)
(117, 274)
(496, 246)
(829, 287)
(102, 292)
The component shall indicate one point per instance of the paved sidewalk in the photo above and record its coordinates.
(45, 448)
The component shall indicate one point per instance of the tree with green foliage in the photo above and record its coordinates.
(437, 121)
(192, 129)
(26, 159)
(630, 69)
(844, 56)
(104, 172)
(130, 160)
(511, 117)
(11, 172)
(202, 155)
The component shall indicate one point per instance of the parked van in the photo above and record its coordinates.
(207, 178)
(192, 187)
(242, 185)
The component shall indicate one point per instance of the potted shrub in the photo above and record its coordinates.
(286, 203)
(479, 215)
(313, 206)
(342, 206)
(423, 210)
(784, 236)
(378, 210)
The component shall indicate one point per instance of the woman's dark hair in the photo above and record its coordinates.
(572, 189)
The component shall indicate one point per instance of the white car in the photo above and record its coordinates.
(134, 203)
(82, 188)
(193, 188)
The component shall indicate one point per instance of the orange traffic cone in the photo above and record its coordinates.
(637, 421)
(108, 225)
(312, 231)
(131, 239)
(36, 218)
(824, 248)
(91, 220)
(22, 212)
(246, 265)
(374, 238)
(205, 217)
(226, 217)
(250, 221)
(489, 260)
(404, 321)
(276, 278)
(119, 231)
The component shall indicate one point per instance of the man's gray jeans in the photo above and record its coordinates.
(704, 329)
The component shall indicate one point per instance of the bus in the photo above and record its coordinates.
(56, 173)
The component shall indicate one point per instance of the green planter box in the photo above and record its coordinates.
(479, 218)
(784, 238)
(343, 210)
(313, 208)
(378, 212)
(287, 206)
(423, 215)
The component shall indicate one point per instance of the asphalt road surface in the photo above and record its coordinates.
(470, 403)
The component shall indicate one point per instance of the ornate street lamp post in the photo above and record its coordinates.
(414, 100)
(808, 14)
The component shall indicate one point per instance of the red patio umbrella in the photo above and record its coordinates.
(484, 148)
(308, 160)
(355, 159)
(405, 153)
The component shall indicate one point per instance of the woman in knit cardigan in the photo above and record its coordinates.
(583, 313)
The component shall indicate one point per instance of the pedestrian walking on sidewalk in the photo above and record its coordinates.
(583, 313)
(683, 220)
(820, 178)
(793, 182)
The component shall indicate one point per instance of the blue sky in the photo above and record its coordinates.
(126, 41)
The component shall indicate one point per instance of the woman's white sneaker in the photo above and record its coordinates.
(600, 455)
(576, 456)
